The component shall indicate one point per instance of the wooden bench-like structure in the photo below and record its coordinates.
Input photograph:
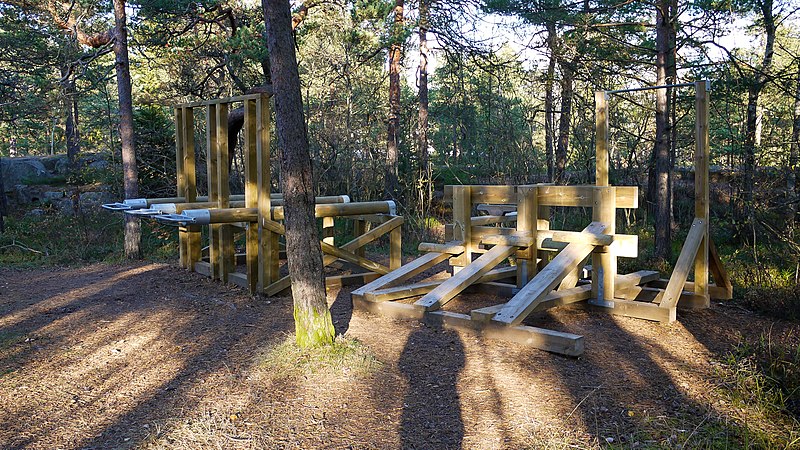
(477, 247)
(258, 213)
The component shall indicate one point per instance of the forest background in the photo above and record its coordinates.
(402, 98)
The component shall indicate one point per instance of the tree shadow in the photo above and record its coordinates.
(342, 311)
(431, 415)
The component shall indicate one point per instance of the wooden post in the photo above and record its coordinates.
(395, 248)
(701, 200)
(227, 252)
(183, 238)
(527, 221)
(268, 254)
(543, 223)
(328, 230)
(251, 192)
(605, 212)
(462, 224)
(193, 244)
(601, 138)
(359, 228)
(214, 247)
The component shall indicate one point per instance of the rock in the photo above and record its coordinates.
(93, 200)
(53, 195)
(37, 212)
(16, 171)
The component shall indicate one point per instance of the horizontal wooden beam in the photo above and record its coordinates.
(515, 241)
(422, 288)
(405, 272)
(452, 247)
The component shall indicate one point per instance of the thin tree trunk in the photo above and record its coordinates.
(663, 232)
(313, 323)
(424, 176)
(133, 235)
(791, 178)
(71, 114)
(751, 131)
(567, 80)
(392, 147)
(549, 128)
(3, 205)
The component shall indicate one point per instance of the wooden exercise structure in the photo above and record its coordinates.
(477, 248)
(257, 214)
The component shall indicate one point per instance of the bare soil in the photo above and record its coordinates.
(149, 356)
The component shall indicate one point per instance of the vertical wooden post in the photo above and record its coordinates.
(227, 252)
(396, 248)
(604, 211)
(462, 225)
(359, 228)
(251, 192)
(213, 186)
(601, 138)
(183, 238)
(701, 206)
(328, 230)
(543, 223)
(193, 244)
(268, 252)
(527, 221)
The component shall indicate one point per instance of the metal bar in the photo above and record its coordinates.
(648, 88)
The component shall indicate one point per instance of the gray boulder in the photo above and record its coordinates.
(16, 171)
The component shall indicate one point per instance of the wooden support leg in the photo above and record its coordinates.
(527, 221)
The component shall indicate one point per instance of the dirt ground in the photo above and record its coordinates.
(150, 356)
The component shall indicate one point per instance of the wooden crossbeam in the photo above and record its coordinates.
(465, 277)
(350, 247)
(405, 272)
(513, 241)
(417, 289)
(522, 304)
(685, 261)
(626, 196)
(452, 247)
(353, 258)
(719, 273)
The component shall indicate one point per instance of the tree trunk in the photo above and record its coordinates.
(133, 235)
(313, 323)
(791, 178)
(422, 126)
(392, 148)
(549, 128)
(3, 205)
(663, 232)
(71, 114)
(567, 80)
(751, 124)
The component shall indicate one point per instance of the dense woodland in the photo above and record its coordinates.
(401, 98)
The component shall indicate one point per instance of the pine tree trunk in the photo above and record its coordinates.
(71, 118)
(549, 128)
(313, 324)
(422, 127)
(663, 232)
(791, 176)
(567, 81)
(133, 235)
(392, 147)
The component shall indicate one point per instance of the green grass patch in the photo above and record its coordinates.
(345, 357)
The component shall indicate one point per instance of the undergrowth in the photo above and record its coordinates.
(762, 381)
(52, 238)
(346, 356)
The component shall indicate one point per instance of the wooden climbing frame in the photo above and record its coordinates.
(257, 215)
(478, 247)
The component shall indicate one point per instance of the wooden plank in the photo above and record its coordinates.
(515, 311)
(183, 238)
(417, 289)
(194, 235)
(626, 196)
(493, 288)
(227, 257)
(484, 194)
(359, 228)
(527, 221)
(719, 274)
(492, 220)
(337, 281)
(353, 258)
(716, 292)
(452, 247)
(688, 300)
(572, 278)
(512, 241)
(405, 272)
(583, 238)
(328, 230)
(678, 279)
(551, 300)
(214, 245)
(465, 277)
(203, 268)
(638, 310)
